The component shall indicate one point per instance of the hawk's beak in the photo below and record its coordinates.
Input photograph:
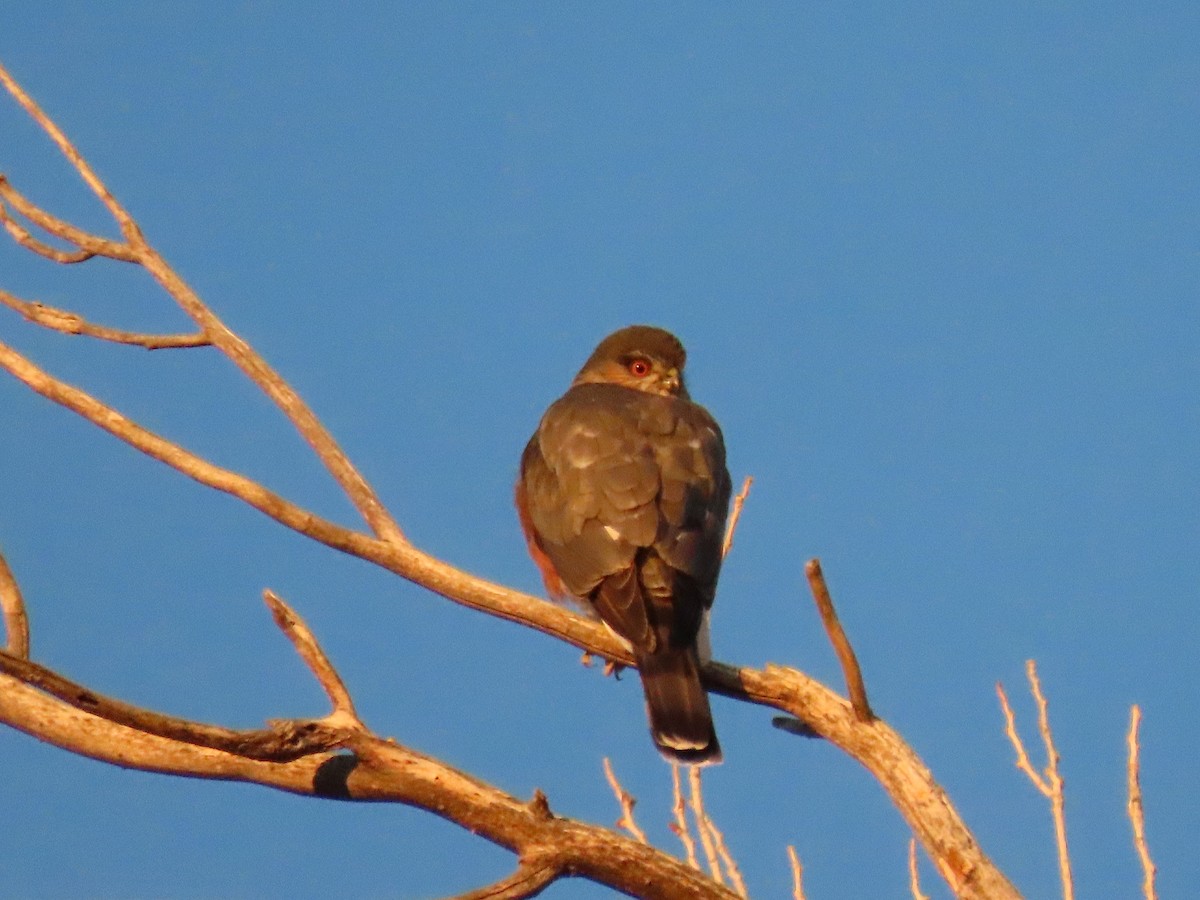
(671, 381)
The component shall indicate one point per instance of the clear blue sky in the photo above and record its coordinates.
(937, 270)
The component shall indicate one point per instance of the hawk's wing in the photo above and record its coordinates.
(630, 489)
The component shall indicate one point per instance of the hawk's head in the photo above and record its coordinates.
(640, 357)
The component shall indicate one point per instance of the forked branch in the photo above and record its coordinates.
(1049, 782)
(239, 352)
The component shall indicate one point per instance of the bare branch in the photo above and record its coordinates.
(731, 866)
(696, 801)
(735, 513)
(626, 801)
(303, 419)
(90, 245)
(128, 227)
(69, 323)
(530, 878)
(374, 770)
(711, 838)
(1137, 815)
(12, 604)
(680, 825)
(284, 741)
(1010, 729)
(1057, 799)
(797, 874)
(295, 756)
(41, 248)
(1049, 783)
(914, 876)
(157, 447)
(841, 643)
(314, 657)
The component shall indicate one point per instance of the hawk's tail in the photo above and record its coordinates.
(677, 705)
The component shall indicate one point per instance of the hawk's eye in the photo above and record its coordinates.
(639, 368)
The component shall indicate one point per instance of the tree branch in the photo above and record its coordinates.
(914, 875)
(1137, 814)
(284, 741)
(530, 878)
(735, 513)
(314, 657)
(720, 861)
(797, 874)
(41, 248)
(841, 643)
(69, 323)
(626, 801)
(680, 825)
(12, 605)
(1049, 783)
(55, 710)
(90, 245)
(239, 352)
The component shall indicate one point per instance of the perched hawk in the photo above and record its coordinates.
(623, 494)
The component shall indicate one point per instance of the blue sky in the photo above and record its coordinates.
(937, 272)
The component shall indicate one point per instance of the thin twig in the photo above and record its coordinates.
(168, 452)
(128, 227)
(1049, 783)
(12, 604)
(731, 867)
(797, 873)
(841, 643)
(914, 876)
(1137, 814)
(89, 244)
(696, 801)
(314, 657)
(285, 740)
(530, 879)
(69, 323)
(680, 825)
(1010, 729)
(41, 248)
(626, 801)
(735, 513)
(1057, 798)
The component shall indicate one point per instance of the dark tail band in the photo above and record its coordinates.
(681, 721)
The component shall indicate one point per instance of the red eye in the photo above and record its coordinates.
(639, 367)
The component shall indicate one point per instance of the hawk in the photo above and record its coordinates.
(623, 495)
